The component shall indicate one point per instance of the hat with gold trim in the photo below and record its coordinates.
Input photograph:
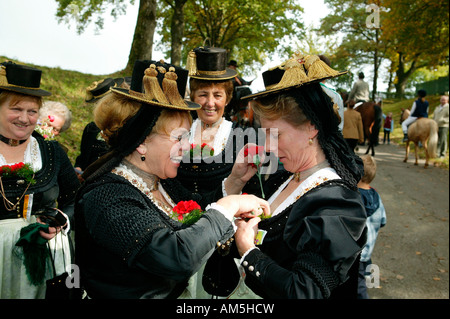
(99, 89)
(160, 84)
(209, 63)
(299, 70)
(21, 79)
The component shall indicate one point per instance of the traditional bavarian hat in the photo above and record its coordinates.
(209, 63)
(160, 84)
(298, 71)
(300, 78)
(21, 79)
(98, 89)
(157, 86)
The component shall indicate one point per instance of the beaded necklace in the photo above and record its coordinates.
(137, 181)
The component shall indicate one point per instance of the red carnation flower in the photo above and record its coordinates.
(187, 212)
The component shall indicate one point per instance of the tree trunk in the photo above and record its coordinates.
(142, 46)
(402, 75)
(375, 66)
(177, 32)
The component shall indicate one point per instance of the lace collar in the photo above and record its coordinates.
(311, 182)
(137, 181)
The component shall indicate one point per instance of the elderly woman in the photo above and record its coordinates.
(55, 117)
(316, 230)
(129, 244)
(213, 141)
(36, 178)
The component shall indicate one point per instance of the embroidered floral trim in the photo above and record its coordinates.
(317, 182)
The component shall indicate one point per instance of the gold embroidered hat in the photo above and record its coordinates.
(297, 71)
(160, 84)
(209, 63)
(21, 79)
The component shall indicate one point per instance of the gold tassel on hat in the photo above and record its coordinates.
(152, 89)
(191, 64)
(318, 69)
(170, 88)
(294, 74)
(3, 79)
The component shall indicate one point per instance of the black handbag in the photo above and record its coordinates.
(56, 287)
(220, 276)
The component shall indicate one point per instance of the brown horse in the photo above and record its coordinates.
(423, 130)
(372, 118)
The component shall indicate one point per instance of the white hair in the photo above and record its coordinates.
(56, 108)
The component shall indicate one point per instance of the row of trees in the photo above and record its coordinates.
(408, 34)
(411, 34)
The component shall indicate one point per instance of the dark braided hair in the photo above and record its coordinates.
(317, 107)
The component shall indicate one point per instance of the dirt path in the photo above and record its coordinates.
(412, 250)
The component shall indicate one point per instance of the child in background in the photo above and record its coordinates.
(376, 218)
(388, 127)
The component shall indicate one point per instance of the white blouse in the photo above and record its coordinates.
(220, 138)
(32, 156)
(311, 182)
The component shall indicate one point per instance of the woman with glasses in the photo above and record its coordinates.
(128, 245)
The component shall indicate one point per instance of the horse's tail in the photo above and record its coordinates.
(433, 140)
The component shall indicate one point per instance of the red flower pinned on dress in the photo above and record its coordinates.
(187, 212)
(21, 170)
(203, 150)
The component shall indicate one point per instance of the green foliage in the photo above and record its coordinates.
(358, 45)
(84, 12)
(69, 88)
(251, 30)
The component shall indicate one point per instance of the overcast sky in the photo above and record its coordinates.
(30, 33)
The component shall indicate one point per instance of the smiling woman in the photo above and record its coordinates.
(129, 244)
(211, 86)
(53, 185)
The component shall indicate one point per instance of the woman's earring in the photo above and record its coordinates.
(142, 157)
(310, 141)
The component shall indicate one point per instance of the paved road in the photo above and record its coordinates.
(412, 250)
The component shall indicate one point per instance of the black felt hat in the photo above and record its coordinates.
(21, 79)
(99, 89)
(160, 84)
(298, 71)
(209, 63)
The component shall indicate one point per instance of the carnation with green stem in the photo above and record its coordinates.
(187, 212)
(21, 170)
(254, 152)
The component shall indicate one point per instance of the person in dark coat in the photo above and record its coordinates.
(129, 244)
(36, 179)
(310, 246)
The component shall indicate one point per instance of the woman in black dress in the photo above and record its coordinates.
(47, 182)
(316, 231)
(128, 243)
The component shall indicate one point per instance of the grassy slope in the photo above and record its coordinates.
(69, 88)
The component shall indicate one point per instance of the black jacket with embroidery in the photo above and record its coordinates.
(128, 248)
(312, 248)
